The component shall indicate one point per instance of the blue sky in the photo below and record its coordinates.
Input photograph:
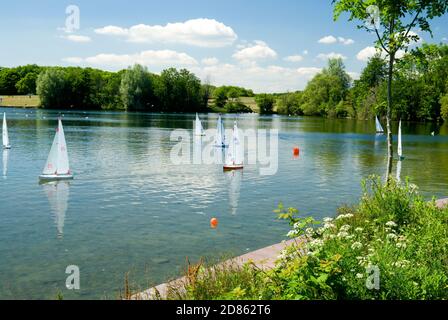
(265, 45)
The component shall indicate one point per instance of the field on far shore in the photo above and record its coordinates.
(33, 101)
(20, 101)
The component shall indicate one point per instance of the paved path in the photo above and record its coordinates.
(442, 203)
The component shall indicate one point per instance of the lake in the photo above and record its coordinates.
(130, 208)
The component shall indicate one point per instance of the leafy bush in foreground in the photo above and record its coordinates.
(393, 233)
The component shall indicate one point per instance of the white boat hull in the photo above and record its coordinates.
(6, 147)
(55, 177)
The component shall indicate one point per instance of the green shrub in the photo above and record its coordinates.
(237, 107)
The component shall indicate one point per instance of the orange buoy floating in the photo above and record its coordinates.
(214, 223)
(296, 151)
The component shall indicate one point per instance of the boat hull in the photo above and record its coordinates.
(6, 147)
(55, 177)
(233, 167)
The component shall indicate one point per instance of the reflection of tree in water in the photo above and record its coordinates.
(58, 195)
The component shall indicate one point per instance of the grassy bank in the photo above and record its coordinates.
(31, 101)
(392, 245)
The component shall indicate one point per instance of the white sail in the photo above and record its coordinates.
(58, 194)
(199, 130)
(5, 135)
(57, 162)
(379, 128)
(63, 162)
(220, 135)
(400, 147)
(234, 152)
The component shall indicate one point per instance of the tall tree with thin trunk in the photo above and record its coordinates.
(392, 21)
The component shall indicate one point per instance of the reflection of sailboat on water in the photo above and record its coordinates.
(379, 127)
(399, 171)
(5, 163)
(234, 178)
(400, 147)
(58, 194)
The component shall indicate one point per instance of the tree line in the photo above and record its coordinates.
(420, 91)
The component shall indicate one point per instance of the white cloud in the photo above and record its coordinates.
(328, 40)
(332, 39)
(331, 55)
(153, 58)
(294, 58)
(272, 78)
(258, 50)
(305, 52)
(308, 71)
(346, 41)
(78, 38)
(73, 60)
(354, 75)
(210, 61)
(366, 53)
(196, 32)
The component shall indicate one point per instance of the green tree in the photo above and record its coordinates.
(51, 88)
(444, 107)
(27, 85)
(220, 97)
(396, 34)
(265, 103)
(136, 89)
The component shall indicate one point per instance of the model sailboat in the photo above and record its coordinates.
(199, 130)
(234, 157)
(400, 147)
(220, 140)
(57, 166)
(379, 128)
(5, 135)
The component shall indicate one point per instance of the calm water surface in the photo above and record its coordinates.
(130, 209)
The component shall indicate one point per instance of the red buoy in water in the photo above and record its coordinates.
(296, 151)
(214, 223)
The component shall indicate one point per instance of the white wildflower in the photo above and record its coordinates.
(391, 224)
(356, 245)
(328, 220)
(342, 234)
(345, 228)
(359, 275)
(292, 234)
(359, 229)
(391, 236)
(309, 231)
